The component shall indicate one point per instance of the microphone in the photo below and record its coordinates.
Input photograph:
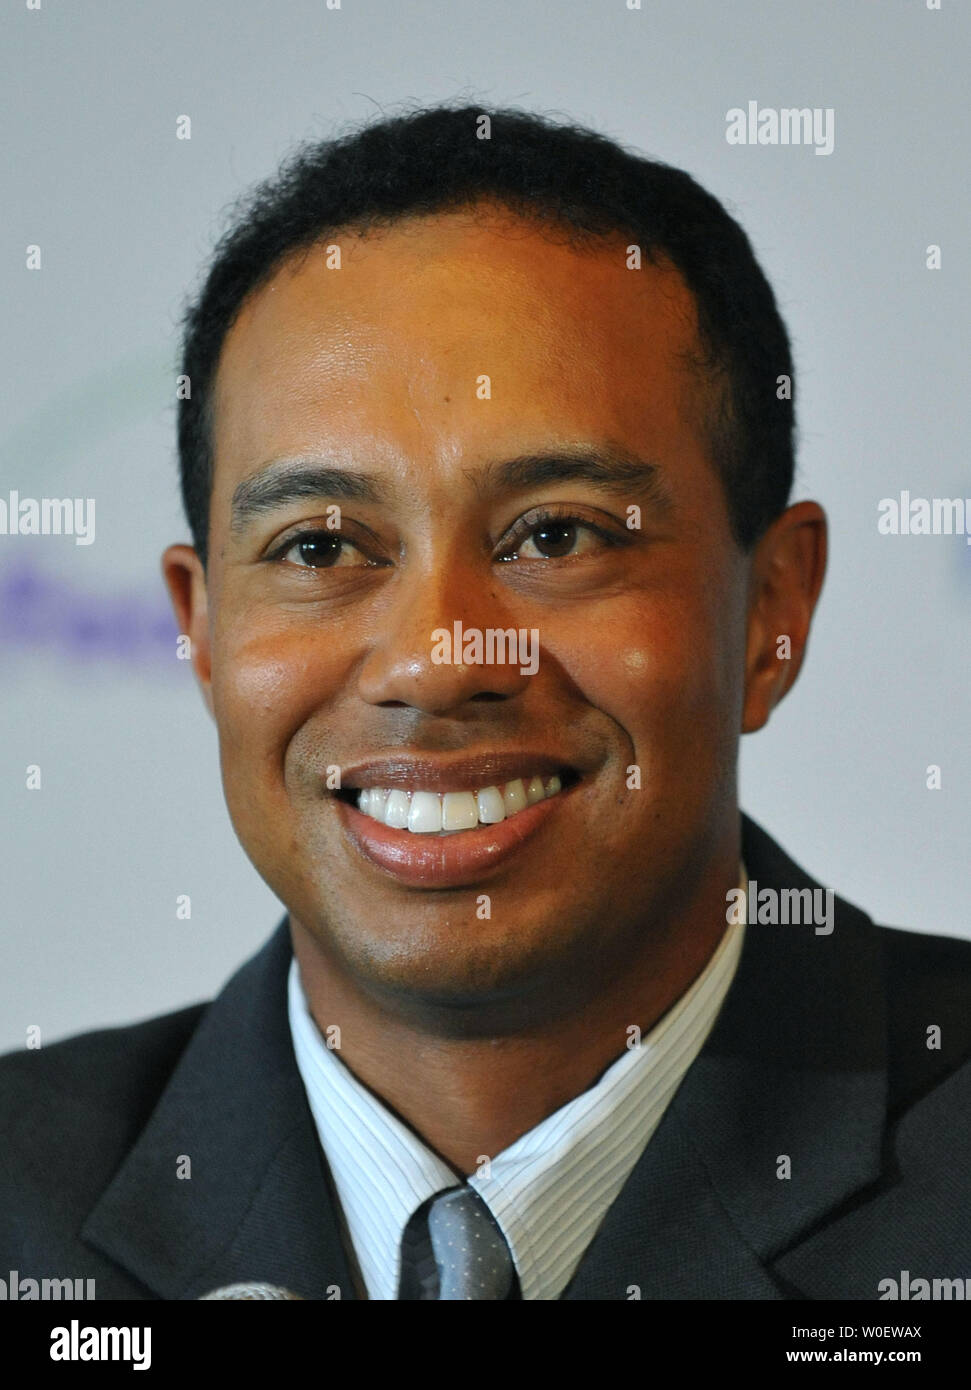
(252, 1291)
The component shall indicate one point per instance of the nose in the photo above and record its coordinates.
(414, 658)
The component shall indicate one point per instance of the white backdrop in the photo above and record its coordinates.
(130, 812)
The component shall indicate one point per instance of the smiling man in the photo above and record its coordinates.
(525, 1031)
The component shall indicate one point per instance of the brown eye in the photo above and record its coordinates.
(559, 538)
(317, 550)
(554, 539)
(321, 550)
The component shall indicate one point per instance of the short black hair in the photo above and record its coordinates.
(445, 157)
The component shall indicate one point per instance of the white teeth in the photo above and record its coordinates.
(459, 811)
(535, 791)
(428, 813)
(425, 815)
(396, 810)
(490, 806)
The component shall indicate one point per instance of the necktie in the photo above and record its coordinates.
(453, 1249)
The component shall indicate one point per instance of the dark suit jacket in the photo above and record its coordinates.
(820, 1053)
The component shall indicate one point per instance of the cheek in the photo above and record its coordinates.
(663, 672)
(267, 681)
(642, 656)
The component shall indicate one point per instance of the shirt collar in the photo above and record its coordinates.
(550, 1190)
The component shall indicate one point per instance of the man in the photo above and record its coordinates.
(487, 458)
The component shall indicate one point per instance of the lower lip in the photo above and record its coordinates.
(445, 861)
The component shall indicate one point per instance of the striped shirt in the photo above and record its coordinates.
(551, 1189)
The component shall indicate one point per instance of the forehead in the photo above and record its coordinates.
(397, 340)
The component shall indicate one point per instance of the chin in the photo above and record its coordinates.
(458, 975)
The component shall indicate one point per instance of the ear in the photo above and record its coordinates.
(786, 576)
(185, 579)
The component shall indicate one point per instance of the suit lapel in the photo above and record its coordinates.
(256, 1206)
(667, 1236)
(795, 1071)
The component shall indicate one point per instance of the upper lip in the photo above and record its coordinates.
(426, 773)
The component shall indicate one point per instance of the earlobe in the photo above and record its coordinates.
(185, 579)
(765, 672)
(787, 575)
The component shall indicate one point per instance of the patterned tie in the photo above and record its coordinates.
(452, 1248)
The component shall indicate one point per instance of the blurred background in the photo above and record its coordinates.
(130, 813)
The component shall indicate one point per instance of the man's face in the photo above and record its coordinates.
(440, 351)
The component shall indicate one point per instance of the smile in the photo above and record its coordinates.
(448, 813)
(434, 825)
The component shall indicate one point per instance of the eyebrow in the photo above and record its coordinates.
(297, 480)
(612, 470)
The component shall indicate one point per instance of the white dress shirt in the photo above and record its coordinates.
(550, 1190)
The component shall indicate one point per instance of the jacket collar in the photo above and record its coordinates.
(256, 1206)
(794, 1068)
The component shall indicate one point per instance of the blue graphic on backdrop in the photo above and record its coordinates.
(40, 610)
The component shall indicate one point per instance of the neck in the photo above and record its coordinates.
(471, 1097)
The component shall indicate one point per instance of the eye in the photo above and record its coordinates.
(320, 550)
(547, 536)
